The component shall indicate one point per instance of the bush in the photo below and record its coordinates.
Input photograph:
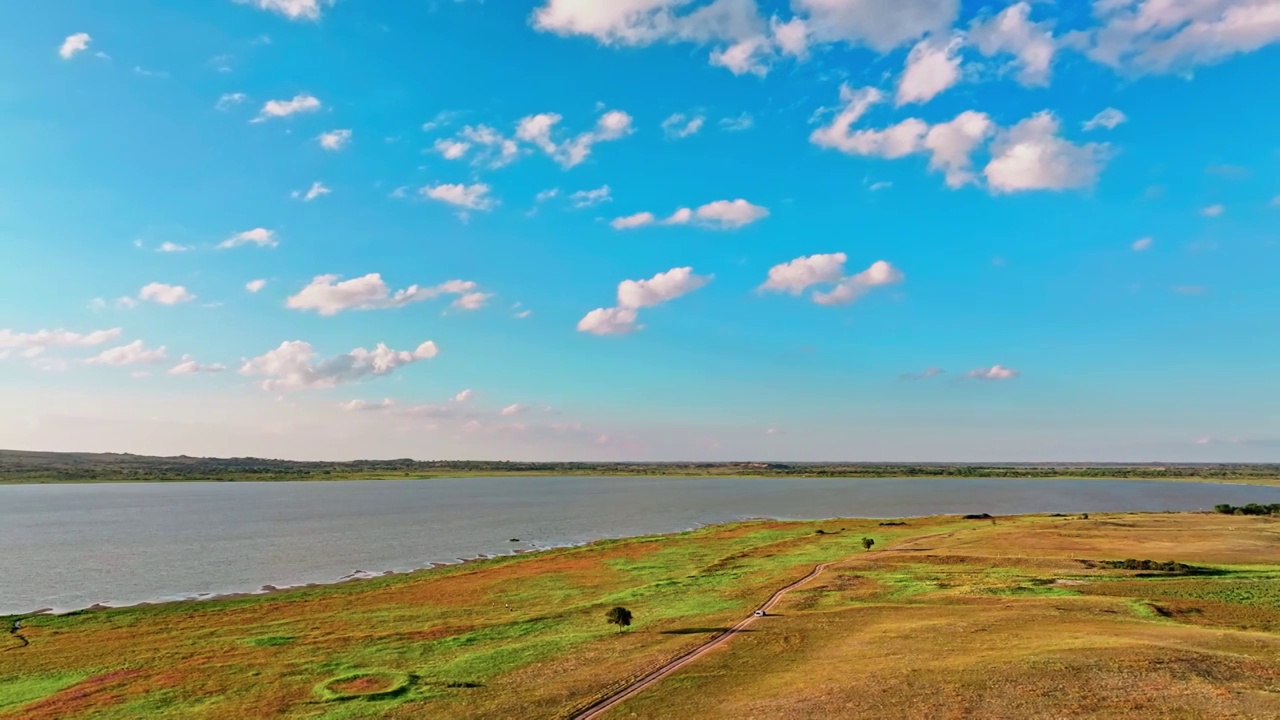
(1250, 509)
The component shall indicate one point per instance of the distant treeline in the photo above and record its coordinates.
(21, 467)
(1250, 509)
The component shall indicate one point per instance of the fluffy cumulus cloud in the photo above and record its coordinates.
(541, 131)
(679, 126)
(74, 45)
(1011, 32)
(1031, 156)
(328, 295)
(295, 365)
(1161, 36)
(334, 140)
(171, 247)
(292, 9)
(802, 273)
(876, 24)
(493, 149)
(995, 372)
(1110, 118)
(189, 366)
(465, 197)
(229, 100)
(636, 294)
(301, 103)
(950, 145)
(796, 276)
(164, 294)
(718, 215)
(135, 353)
(261, 237)
(933, 65)
(254, 286)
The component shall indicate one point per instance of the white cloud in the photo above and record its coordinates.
(539, 131)
(881, 185)
(747, 56)
(1159, 36)
(1142, 244)
(1213, 211)
(334, 139)
(143, 72)
(660, 288)
(933, 65)
(609, 321)
(791, 38)
(294, 365)
(951, 145)
(467, 197)
(230, 100)
(737, 124)
(496, 150)
(292, 9)
(546, 195)
(1031, 156)
(635, 294)
(995, 372)
(1108, 118)
(366, 406)
(169, 247)
(165, 294)
(73, 45)
(254, 286)
(301, 103)
(126, 302)
(189, 366)
(718, 215)
(1012, 32)
(639, 219)
(257, 236)
(135, 353)
(327, 296)
(316, 190)
(452, 149)
(36, 343)
(796, 276)
(679, 125)
(522, 314)
(853, 287)
(471, 301)
(516, 409)
(591, 198)
(896, 141)
(876, 24)
(464, 396)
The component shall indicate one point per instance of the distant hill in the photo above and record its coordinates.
(47, 467)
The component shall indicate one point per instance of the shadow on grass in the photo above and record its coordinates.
(700, 631)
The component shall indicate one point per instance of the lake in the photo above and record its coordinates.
(69, 546)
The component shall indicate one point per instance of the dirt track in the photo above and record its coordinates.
(601, 707)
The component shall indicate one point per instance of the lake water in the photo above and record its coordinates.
(70, 546)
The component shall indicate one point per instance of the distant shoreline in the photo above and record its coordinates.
(25, 467)
(1247, 481)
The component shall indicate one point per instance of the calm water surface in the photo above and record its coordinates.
(70, 546)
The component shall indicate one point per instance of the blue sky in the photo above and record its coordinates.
(643, 229)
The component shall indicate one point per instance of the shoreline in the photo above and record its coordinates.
(1207, 480)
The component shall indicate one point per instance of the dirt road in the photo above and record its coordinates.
(601, 707)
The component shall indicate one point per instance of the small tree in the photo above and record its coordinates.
(867, 543)
(619, 616)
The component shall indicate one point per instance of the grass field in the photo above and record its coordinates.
(1020, 617)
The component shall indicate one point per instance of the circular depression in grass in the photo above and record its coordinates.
(367, 684)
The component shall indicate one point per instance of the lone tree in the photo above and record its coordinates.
(619, 616)
(867, 543)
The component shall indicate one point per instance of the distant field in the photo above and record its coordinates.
(40, 467)
(944, 617)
